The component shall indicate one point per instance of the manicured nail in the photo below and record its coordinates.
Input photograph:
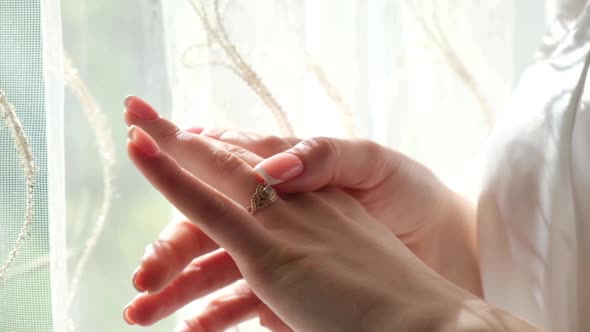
(144, 142)
(139, 108)
(279, 168)
(195, 130)
(136, 282)
(127, 315)
(149, 252)
(127, 100)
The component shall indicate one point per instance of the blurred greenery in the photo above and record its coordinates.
(117, 48)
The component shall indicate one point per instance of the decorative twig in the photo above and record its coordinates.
(217, 34)
(452, 59)
(333, 93)
(26, 156)
(38, 264)
(106, 148)
(225, 65)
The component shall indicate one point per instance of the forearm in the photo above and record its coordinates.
(478, 316)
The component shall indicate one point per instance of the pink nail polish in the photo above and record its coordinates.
(136, 282)
(195, 130)
(144, 142)
(127, 100)
(279, 168)
(127, 315)
(139, 108)
(149, 252)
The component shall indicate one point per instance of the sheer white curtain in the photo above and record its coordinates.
(424, 77)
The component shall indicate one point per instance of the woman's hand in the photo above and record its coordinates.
(437, 224)
(318, 260)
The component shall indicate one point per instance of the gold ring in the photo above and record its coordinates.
(264, 196)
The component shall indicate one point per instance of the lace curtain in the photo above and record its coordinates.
(424, 77)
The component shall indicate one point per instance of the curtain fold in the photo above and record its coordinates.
(53, 73)
(403, 73)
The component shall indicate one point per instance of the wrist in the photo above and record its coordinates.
(449, 244)
(474, 315)
(458, 252)
(436, 307)
(447, 308)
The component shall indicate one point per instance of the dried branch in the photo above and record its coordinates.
(38, 264)
(26, 157)
(333, 93)
(106, 147)
(186, 63)
(437, 35)
(217, 33)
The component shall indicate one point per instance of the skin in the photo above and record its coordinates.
(393, 252)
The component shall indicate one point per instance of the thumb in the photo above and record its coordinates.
(319, 162)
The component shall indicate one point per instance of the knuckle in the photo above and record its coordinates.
(375, 152)
(199, 241)
(170, 175)
(323, 147)
(372, 147)
(385, 160)
(205, 280)
(226, 161)
(188, 227)
(169, 252)
(274, 143)
(215, 133)
(172, 134)
(225, 135)
(235, 150)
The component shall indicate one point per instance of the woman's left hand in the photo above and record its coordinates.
(313, 261)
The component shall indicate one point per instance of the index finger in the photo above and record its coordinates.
(223, 220)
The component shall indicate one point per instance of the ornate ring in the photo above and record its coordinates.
(264, 196)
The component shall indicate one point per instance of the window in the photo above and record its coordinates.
(425, 77)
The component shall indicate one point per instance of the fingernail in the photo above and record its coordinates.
(195, 130)
(127, 100)
(279, 168)
(149, 252)
(144, 142)
(139, 108)
(136, 282)
(127, 315)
